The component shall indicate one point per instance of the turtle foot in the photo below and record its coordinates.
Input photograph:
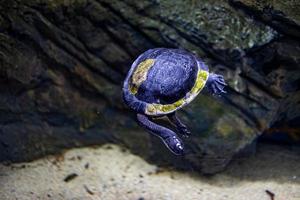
(183, 130)
(216, 84)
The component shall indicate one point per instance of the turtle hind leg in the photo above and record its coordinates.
(181, 127)
(170, 138)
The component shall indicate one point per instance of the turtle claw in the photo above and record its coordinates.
(221, 81)
(220, 89)
(184, 131)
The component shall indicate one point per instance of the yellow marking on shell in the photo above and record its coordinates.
(200, 81)
(156, 109)
(140, 75)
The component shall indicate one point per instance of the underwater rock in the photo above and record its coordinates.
(62, 64)
(282, 15)
(212, 25)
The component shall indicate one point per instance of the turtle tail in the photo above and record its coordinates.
(131, 101)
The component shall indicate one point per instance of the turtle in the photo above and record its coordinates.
(162, 81)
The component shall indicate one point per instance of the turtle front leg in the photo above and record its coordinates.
(216, 84)
(181, 127)
(170, 138)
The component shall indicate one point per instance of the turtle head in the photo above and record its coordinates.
(215, 84)
(174, 144)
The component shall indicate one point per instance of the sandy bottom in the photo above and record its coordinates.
(112, 173)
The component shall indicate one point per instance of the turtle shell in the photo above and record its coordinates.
(164, 80)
